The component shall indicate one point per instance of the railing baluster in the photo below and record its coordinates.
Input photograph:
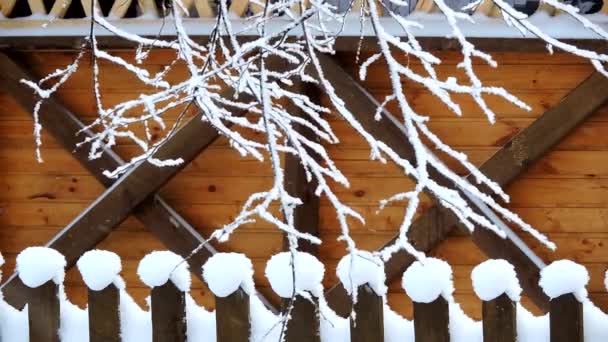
(168, 313)
(104, 317)
(566, 319)
(499, 320)
(432, 321)
(232, 317)
(368, 325)
(43, 312)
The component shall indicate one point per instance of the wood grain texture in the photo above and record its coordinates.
(43, 312)
(499, 320)
(232, 320)
(168, 313)
(566, 319)
(104, 316)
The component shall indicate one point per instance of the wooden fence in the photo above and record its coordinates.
(431, 321)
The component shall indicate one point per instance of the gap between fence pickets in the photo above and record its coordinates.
(517, 241)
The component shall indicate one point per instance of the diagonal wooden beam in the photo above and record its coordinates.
(508, 163)
(134, 191)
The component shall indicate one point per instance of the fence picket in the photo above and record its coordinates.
(566, 319)
(104, 317)
(43, 312)
(304, 323)
(499, 320)
(232, 317)
(368, 325)
(168, 313)
(431, 321)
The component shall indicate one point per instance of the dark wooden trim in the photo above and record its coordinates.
(509, 162)
(168, 313)
(43, 312)
(345, 44)
(499, 319)
(131, 190)
(566, 319)
(303, 326)
(432, 321)
(306, 216)
(104, 314)
(232, 314)
(368, 323)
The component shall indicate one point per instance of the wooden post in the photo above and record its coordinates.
(368, 325)
(566, 319)
(232, 317)
(43, 312)
(168, 313)
(499, 320)
(304, 323)
(104, 317)
(431, 321)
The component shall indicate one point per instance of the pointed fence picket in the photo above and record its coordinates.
(233, 316)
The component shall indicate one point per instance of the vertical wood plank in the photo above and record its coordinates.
(566, 319)
(304, 323)
(232, 317)
(368, 325)
(306, 215)
(499, 320)
(43, 312)
(432, 321)
(104, 317)
(168, 314)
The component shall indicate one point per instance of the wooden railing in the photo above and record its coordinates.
(235, 316)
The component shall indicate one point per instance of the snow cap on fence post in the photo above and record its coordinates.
(562, 277)
(364, 268)
(494, 277)
(99, 269)
(158, 267)
(37, 265)
(425, 280)
(224, 273)
(309, 273)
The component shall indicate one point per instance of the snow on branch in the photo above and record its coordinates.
(263, 76)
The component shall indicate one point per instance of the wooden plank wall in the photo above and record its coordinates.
(564, 195)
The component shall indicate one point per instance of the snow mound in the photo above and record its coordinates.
(562, 277)
(308, 269)
(424, 281)
(99, 268)
(364, 268)
(156, 268)
(38, 265)
(224, 273)
(397, 328)
(494, 277)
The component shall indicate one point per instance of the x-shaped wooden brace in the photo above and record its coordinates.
(141, 183)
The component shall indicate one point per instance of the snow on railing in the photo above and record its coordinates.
(40, 17)
(112, 315)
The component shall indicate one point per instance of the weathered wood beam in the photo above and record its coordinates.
(345, 44)
(135, 190)
(306, 216)
(509, 162)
